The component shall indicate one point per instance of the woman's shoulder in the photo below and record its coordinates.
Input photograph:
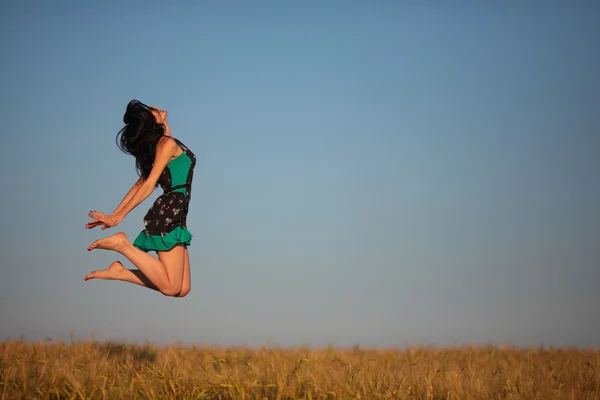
(167, 140)
(167, 143)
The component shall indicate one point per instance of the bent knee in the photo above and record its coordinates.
(171, 291)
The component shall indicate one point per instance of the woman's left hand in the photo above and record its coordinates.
(100, 218)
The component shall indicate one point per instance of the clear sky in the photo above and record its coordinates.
(374, 173)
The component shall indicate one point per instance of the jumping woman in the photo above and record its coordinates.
(160, 160)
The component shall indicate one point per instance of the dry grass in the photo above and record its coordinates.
(120, 371)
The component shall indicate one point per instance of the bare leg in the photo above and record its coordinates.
(187, 279)
(117, 272)
(165, 273)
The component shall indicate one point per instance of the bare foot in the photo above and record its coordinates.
(115, 270)
(109, 243)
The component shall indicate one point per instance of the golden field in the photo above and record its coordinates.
(123, 371)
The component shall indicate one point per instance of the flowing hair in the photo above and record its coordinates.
(140, 135)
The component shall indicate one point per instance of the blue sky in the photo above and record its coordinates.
(375, 173)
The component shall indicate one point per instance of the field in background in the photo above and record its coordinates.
(120, 371)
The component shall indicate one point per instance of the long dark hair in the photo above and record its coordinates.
(140, 135)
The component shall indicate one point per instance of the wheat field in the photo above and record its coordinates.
(91, 370)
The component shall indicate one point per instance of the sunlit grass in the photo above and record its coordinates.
(120, 371)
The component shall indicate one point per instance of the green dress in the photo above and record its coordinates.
(165, 224)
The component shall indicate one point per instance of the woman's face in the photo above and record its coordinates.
(160, 115)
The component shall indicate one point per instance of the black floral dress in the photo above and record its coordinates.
(165, 224)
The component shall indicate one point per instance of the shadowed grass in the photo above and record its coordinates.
(121, 371)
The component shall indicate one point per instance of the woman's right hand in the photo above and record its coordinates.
(95, 223)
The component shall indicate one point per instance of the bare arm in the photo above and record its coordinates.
(129, 195)
(139, 192)
(96, 222)
(164, 151)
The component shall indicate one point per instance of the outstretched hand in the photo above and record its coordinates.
(93, 224)
(107, 221)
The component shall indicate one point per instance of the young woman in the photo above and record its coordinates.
(160, 160)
